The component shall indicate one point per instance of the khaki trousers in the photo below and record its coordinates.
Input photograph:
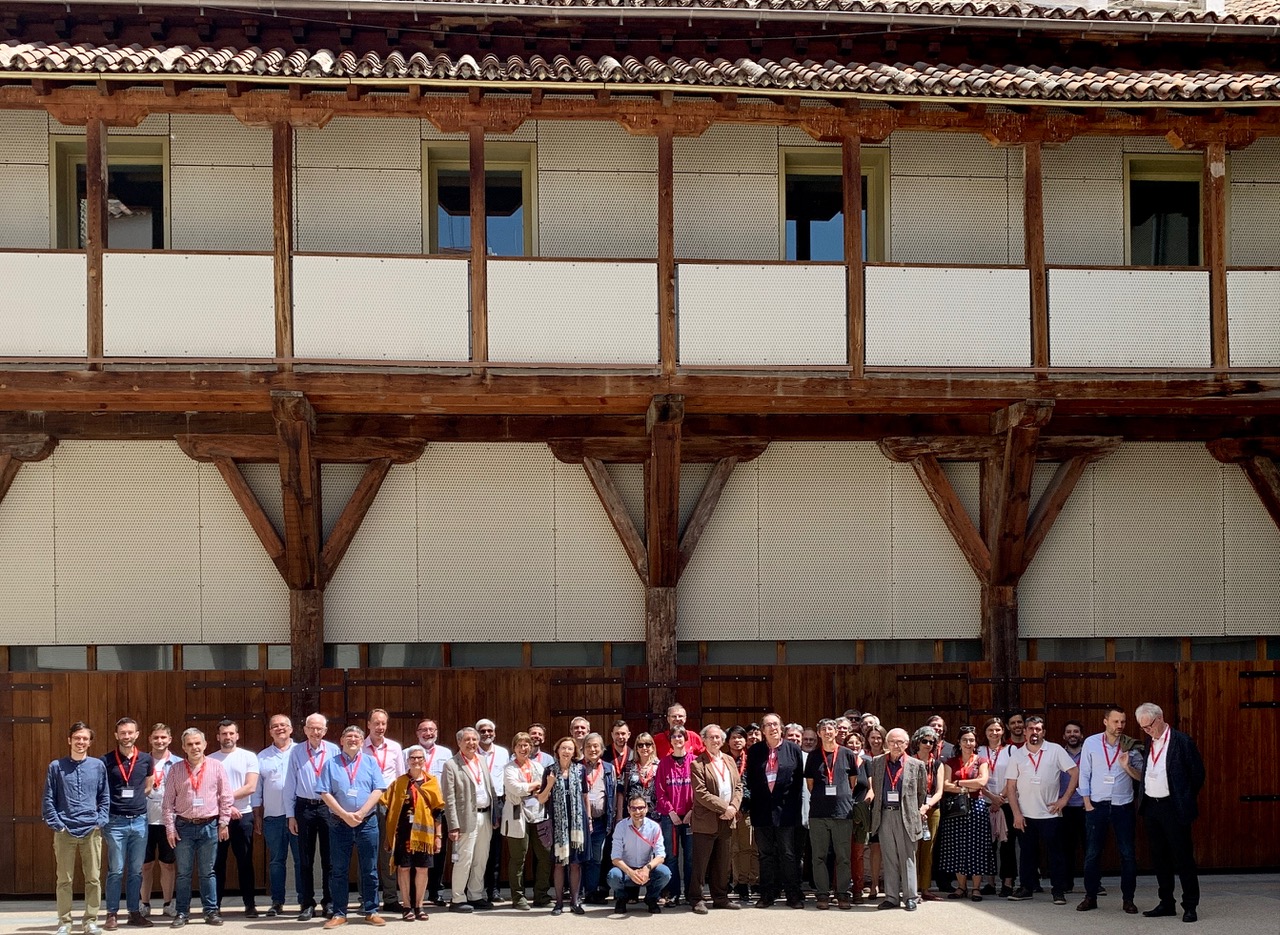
(89, 848)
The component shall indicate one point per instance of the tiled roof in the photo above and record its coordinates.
(891, 80)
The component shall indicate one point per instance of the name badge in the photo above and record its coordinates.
(126, 793)
(1108, 780)
(351, 793)
(892, 797)
(831, 791)
(772, 777)
(1035, 780)
(198, 800)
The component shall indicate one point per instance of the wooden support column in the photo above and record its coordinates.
(662, 539)
(479, 249)
(851, 179)
(667, 336)
(1215, 251)
(1033, 247)
(95, 138)
(282, 225)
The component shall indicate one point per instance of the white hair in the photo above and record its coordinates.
(1149, 709)
(466, 730)
(192, 732)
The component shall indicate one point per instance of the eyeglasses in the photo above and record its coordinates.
(638, 808)
(412, 758)
(644, 744)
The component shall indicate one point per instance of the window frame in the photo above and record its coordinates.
(1163, 167)
(66, 153)
(498, 156)
(828, 160)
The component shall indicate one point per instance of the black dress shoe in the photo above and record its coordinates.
(482, 905)
(251, 913)
(763, 903)
(307, 914)
(461, 907)
(1189, 916)
(1130, 908)
(178, 921)
(577, 909)
(1164, 909)
(887, 904)
(212, 918)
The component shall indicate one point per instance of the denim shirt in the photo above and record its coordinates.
(76, 797)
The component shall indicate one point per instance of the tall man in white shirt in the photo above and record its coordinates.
(1107, 774)
(241, 767)
(437, 755)
(468, 807)
(496, 758)
(269, 812)
(389, 757)
(1032, 787)
(307, 815)
(158, 849)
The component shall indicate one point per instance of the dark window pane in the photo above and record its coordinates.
(504, 212)
(135, 207)
(1148, 649)
(815, 217)
(1164, 222)
(742, 653)
(568, 654)
(341, 656)
(889, 652)
(1072, 650)
(47, 658)
(405, 655)
(487, 655)
(134, 658)
(821, 652)
(226, 657)
(1223, 648)
(962, 651)
(631, 654)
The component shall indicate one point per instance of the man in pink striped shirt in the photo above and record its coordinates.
(197, 813)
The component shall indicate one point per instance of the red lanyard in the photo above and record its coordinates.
(831, 766)
(646, 774)
(381, 760)
(312, 760)
(742, 763)
(195, 779)
(1111, 760)
(636, 832)
(431, 759)
(620, 759)
(1035, 761)
(354, 768)
(771, 765)
(133, 761)
(477, 775)
(721, 769)
(526, 771)
(157, 779)
(995, 761)
(1155, 757)
(594, 775)
(413, 793)
(891, 777)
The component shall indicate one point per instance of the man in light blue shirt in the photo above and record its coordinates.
(639, 859)
(307, 816)
(77, 806)
(1109, 765)
(351, 786)
(269, 816)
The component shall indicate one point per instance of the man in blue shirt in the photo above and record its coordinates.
(306, 815)
(639, 859)
(1109, 766)
(77, 806)
(351, 785)
(129, 780)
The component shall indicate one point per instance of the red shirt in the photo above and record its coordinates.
(692, 745)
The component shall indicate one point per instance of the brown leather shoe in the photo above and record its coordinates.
(1088, 903)
(823, 902)
(375, 919)
(844, 903)
(335, 922)
(111, 924)
(1131, 909)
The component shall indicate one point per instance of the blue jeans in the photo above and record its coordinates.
(595, 856)
(126, 846)
(275, 830)
(684, 834)
(198, 845)
(659, 877)
(1122, 820)
(364, 837)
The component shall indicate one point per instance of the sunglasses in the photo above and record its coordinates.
(644, 745)
(924, 743)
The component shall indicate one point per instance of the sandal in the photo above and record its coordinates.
(421, 914)
(958, 894)
(408, 915)
(976, 897)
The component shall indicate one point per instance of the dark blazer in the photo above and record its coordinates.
(779, 807)
(1186, 775)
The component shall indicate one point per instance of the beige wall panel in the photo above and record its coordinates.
(720, 589)
(973, 229)
(1067, 240)
(486, 543)
(1253, 224)
(597, 214)
(825, 541)
(598, 594)
(361, 143)
(24, 137)
(359, 210)
(962, 155)
(1085, 157)
(726, 217)
(24, 191)
(220, 208)
(1055, 598)
(736, 149)
(27, 607)
(1257, 162)
(1251, 553)
(45, 310)
(243, 599)
(591, 146)
(1253, 316)
(217, 140)
(1159, 542)
(128, 543)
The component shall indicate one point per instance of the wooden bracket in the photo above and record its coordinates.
(703, 510)
(353, 514)
(616, 510)
(253, 512)
(1257, 458)
(328, 449)
(16, 450)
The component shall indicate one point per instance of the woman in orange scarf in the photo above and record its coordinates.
(413, 804)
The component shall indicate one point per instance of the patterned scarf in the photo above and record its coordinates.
(567, 822)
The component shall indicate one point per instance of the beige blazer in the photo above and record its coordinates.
(459, 790)
(914, 791)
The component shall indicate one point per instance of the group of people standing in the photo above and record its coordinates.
(748, 812)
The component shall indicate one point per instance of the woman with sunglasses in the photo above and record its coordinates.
(924, 743)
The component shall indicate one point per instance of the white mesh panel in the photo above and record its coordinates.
(381, 308)
(220, 208)
(565, 145)
(1085, 157)
(374, 593)
(754, 315)
(947, 317)
(359, 210)
(573, 312)
(598, 594)
(1158, 540)
(719, 590)
(1253, 317)
(794, 136)
(24, 138)
(151, 125)
(1068, 241)
(27, 553)
(1017, 204)
(1254, 224)
(337, 483)
(964, 477)
(825, 541)
(243, 599)
(1257, 162)
(128, 543)
(1251, 542)
(361, 143)
(45, 312)
(1147, 144)
(217, 140)
(935, 593)
(24, 192)
(597, 214)
(1055, 596)
(949, 220)
(226, 307)
(486, 543)
(1129, 318)
(728, 147)
(946, 154)
(726, 217)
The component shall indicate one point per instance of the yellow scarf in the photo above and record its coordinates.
(422, 828)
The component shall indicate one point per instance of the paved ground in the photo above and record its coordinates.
(1230, 905)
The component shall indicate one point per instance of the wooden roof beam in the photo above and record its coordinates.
(981, 448)
(636, 450)
(264, 449)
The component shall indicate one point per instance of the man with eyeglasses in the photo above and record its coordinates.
(775, 776)
(638, 859)
(389, 757)
(1171, 781)
(900, 786)
(437, 755)
(496, 757)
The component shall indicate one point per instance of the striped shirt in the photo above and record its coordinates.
(197, 795)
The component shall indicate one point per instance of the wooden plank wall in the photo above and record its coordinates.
(1204, 698)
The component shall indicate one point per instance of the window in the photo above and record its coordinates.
(224, 657)
(135, 658)
(568, 654)
(509, 198)
(813, 204)
(487, 655)
(822, 652)
(47, 658)
(405, 656)
(1164, 210)
(896, 652)
(137, 193)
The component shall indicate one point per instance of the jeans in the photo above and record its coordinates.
(239, 842)
(198, 845)
(364, 838)
(1048, 831)
(312, 817)
(275, 830)
(1122, 820)
(659, 878)
(126, 846)
(595, 856)
(684, 834)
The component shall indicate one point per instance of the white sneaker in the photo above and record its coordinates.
(92, 928)
(170, 909)
(63, 930)
(145, 908)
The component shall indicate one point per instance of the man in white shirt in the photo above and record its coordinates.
(1109, 767)
(1032, 788)
(389, 756)
(269, 818)
(496, 757)
(158, 849)
(538, 737)
(241, 767)
(437, 756)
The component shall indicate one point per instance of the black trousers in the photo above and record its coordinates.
(240, 842)
(1073, 840)
(435, 876)
(779, 862)
(313, 829)
(493, 866)
(1172, 852)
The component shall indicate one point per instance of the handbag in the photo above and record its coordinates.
(544, 833)
(956, 805)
